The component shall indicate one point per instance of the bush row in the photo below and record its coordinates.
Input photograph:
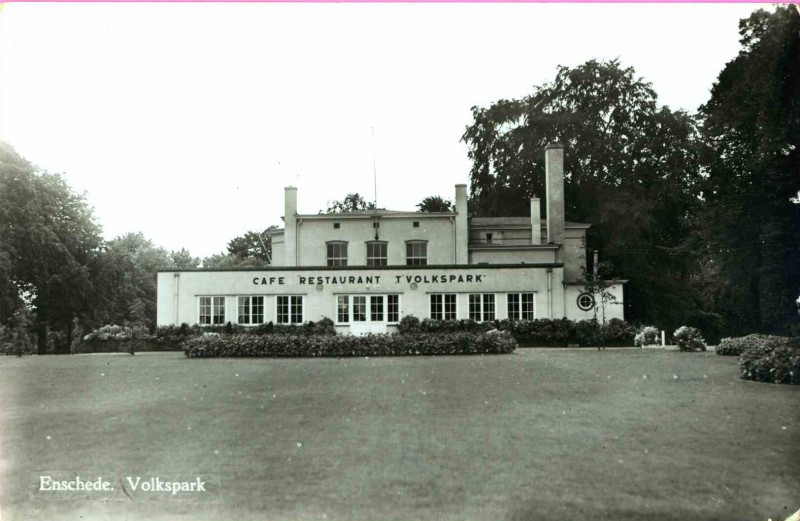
(177, 334)
(118, 333)
(771, 359)
(737, 345)
(461, 343)
(541, 332)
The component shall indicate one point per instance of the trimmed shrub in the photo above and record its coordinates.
(346, 345)
(176, 335)
(689, 339)
(647, 336)
(541, 332)
(772, 359)
(617, 332)
(735, 346)
(409, 324)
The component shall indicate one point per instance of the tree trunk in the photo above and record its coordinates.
(41, 338)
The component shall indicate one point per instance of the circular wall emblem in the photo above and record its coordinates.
(586, 301)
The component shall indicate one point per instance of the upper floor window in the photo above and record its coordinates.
(376, 254)
(337, 253)
(416, 253)
(212, 310)
(489, 238)
(520, 306)
(250, 310)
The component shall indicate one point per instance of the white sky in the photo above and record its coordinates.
(185, 121)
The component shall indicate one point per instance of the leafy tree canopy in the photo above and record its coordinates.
(351, 203)
(751, 222)
(631, 170)
(253, 245)
(435, 203)
(48, 239)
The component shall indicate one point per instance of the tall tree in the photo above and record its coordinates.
(253, 245)
(351, 203)
(631, 170)
(48, 240)
(127, 280)
(435, 203)
(182, 259)
(751, 223)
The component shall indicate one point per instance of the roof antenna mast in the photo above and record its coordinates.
(374, 170)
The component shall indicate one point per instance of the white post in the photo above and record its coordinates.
(663, 338)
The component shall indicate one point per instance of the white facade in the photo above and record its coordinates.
(366, 270)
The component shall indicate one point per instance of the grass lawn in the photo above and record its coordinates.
(536, 435)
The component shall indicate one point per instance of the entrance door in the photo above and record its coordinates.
(368, 314)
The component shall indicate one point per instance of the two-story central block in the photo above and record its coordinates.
(366, 270)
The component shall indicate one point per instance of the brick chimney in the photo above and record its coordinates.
(554, 187)
(290, 226)
(462, 225)
(536, 221)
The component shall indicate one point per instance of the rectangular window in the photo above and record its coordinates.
(450, 306)
(376, 254)
(212, 310)
(481, 307)
(443, 306)
(521, 306)
(343, 309)
(393, 308)
(359, 308)
(250, 310)
(290, 309)
(376, 308)
(337, 253)
(416, 253)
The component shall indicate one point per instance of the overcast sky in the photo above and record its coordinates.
(185, 121)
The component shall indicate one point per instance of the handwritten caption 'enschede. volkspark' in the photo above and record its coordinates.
(110, 486)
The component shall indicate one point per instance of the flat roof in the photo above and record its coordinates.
(374, 268)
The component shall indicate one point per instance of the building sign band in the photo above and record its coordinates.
(371, 279)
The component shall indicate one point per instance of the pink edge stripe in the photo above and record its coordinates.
(411, 1)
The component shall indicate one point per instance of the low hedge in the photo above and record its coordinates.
(462, 343)
(735, 346)
(176, 335)
(772, 359)
(541, 332)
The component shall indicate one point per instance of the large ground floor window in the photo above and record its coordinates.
(521, 306)
(250, 310)
(443, 306)
(481, 307)
(211, 310)
(290, 309)
(367, 308)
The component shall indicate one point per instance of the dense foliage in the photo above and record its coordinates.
(174, 335)
(214, 345)
(776, 360)
(735, 346)
(435, 203)
(631, 170)
(689, 339)
(749, 230)
(541, 332)
(647, 336)
(354, 202)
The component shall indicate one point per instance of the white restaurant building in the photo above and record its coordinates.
(366, 270)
